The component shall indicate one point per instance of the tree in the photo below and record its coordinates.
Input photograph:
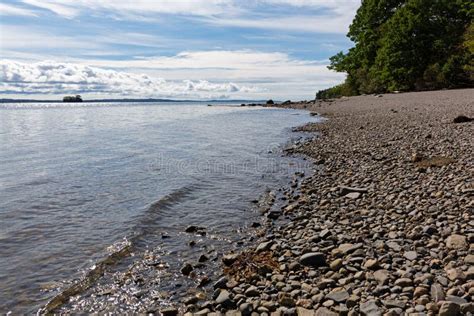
(408, 45)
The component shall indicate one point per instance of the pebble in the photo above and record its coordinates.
(338, 295)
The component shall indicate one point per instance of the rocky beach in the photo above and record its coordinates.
(383, 226)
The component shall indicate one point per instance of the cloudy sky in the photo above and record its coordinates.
(182, 49)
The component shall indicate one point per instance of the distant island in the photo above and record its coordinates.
(76, 98)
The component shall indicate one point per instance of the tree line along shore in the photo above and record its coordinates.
(407, 45)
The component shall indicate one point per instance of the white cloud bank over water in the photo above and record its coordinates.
(51, 77)
(242, 74)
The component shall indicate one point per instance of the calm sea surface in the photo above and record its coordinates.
(76, 179)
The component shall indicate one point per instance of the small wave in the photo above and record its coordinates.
(117, 252)
(170, 199)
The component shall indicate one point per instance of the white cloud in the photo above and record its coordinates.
(315, 24)
(67, 11)
(206, 74)
(334, 16)
(50, 77)
(71, 8)
(6, 9)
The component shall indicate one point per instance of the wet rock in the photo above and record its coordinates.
(313, 259)
(221, 283)
(274, 214)
(186, 269)
(224, 299)
(462, 119)
(193, 229)
(203, 258)
(229, 259)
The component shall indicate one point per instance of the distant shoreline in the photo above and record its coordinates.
(4, 100)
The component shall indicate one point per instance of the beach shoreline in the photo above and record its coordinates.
(383, 225)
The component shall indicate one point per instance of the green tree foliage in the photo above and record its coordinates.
(407, 45)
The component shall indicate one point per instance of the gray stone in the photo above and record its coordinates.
(323, 311)
(325, 233)
(469, 259)
(300, 311)
(457, 242)
(430, 230)
(394, 304)
(467, 308)
(349, 248)
(224, 299)
(344, 190)
(411, 255)
(381, 276)
(370, 308)
(353, 195)
(437, 292)
(456, 299)
(371, 264)
(252, 291)
(404, 282)
(264, 246)
(338, 294)
(449, 309)
(246, 309)
(169, 311)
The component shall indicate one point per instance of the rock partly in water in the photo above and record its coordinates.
(462, 119)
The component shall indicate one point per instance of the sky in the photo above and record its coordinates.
(181, 49)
